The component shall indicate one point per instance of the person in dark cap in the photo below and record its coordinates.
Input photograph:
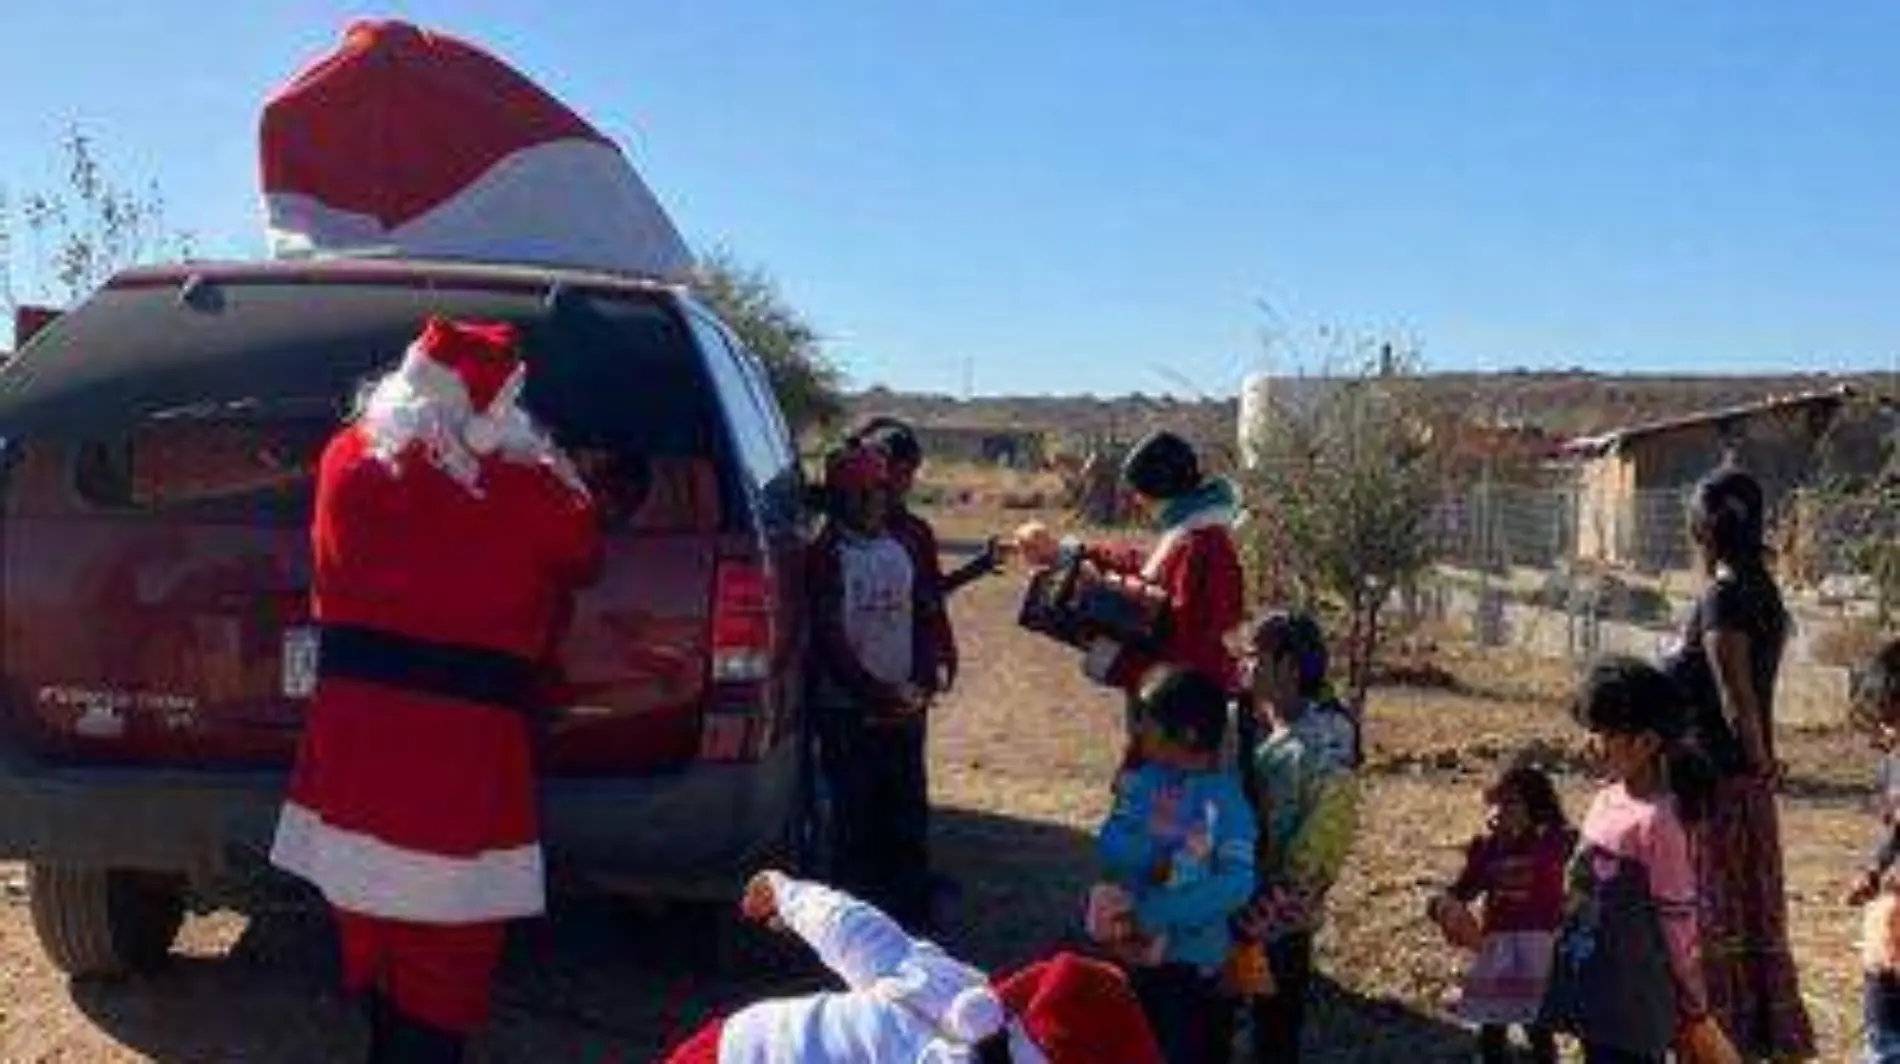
(903, 457)
(1195, 562)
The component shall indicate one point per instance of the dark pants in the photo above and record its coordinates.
(881, 810)
(1494, 1044)
(395, 1038)
(1184, 1008)
(1604, 1055)
(1880, 1016)
(1278, 1022)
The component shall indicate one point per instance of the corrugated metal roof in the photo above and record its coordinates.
(1606, 442)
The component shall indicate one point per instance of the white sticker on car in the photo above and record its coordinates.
(300, 662)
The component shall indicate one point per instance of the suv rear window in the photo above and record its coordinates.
(610, 374)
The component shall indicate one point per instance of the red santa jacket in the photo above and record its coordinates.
(413, 796)
(1198, 565)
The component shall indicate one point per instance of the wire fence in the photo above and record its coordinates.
(1558, 572)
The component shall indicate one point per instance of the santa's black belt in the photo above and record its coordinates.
(468, 674)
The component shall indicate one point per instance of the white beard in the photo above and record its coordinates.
(423, 402)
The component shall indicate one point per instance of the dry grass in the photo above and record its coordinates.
(1022, 756)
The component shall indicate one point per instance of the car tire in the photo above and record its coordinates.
(104, 922)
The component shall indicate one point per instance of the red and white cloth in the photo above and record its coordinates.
(413, 142)
(407, 803)
(905, 999)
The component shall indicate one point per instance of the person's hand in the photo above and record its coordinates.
(1037, 544)
(1865, 888)
(760, 902)
(912, 701)
(998, 551)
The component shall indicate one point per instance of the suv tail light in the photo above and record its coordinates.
(738, 721)
(742, 623)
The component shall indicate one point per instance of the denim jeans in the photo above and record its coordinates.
(1880, 1014)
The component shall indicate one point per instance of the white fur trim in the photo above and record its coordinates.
(566, 202)
(1158, 557)
(430, 379)
(973, 1015)
(1213, 517)
(1100, 659)
(483, 434)
(363, 874)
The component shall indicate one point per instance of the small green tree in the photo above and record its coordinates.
(1343, 483)
(747, 299)
(57, 245)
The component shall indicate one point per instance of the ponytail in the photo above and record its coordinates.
(1692, 778)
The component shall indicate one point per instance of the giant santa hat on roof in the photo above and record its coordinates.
(406, 141)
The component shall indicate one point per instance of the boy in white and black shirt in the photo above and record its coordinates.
(871, 690)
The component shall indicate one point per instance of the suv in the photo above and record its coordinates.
(157, 446)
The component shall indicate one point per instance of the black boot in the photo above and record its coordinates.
(406, 1040)
(382, 1018)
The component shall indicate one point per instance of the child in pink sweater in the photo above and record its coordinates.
(1627, 976)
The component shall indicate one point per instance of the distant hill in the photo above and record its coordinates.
(1563, 404)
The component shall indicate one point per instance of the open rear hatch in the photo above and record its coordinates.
(156, 566)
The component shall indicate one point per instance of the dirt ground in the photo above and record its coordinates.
(1022, 755)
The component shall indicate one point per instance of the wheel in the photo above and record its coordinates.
(106, 922)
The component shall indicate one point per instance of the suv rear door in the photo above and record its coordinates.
(156, 559)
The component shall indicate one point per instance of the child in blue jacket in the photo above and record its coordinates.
(1177, 856)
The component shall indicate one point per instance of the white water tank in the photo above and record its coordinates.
(1256, 408)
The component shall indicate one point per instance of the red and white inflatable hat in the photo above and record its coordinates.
(412, 142)
(1080, 1011)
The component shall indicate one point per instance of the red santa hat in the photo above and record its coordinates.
(479, 362)
(1080, 1011)
(414, 141)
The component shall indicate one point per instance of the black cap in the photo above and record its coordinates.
(896, 439)
(1162, 466)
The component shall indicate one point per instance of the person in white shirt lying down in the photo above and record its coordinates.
(906, 1001)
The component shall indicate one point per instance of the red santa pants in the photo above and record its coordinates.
(439, 974)
(702, 1048)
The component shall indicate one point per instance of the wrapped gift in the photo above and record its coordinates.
(1076, 602)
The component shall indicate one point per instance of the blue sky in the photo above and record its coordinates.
(1074, 197)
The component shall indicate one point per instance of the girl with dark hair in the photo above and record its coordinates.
(1727, 664)
(1626, 977)
(1517, 868)
(1297, 770)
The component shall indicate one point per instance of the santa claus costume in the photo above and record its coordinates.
(448, 533)
(907, 1000)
